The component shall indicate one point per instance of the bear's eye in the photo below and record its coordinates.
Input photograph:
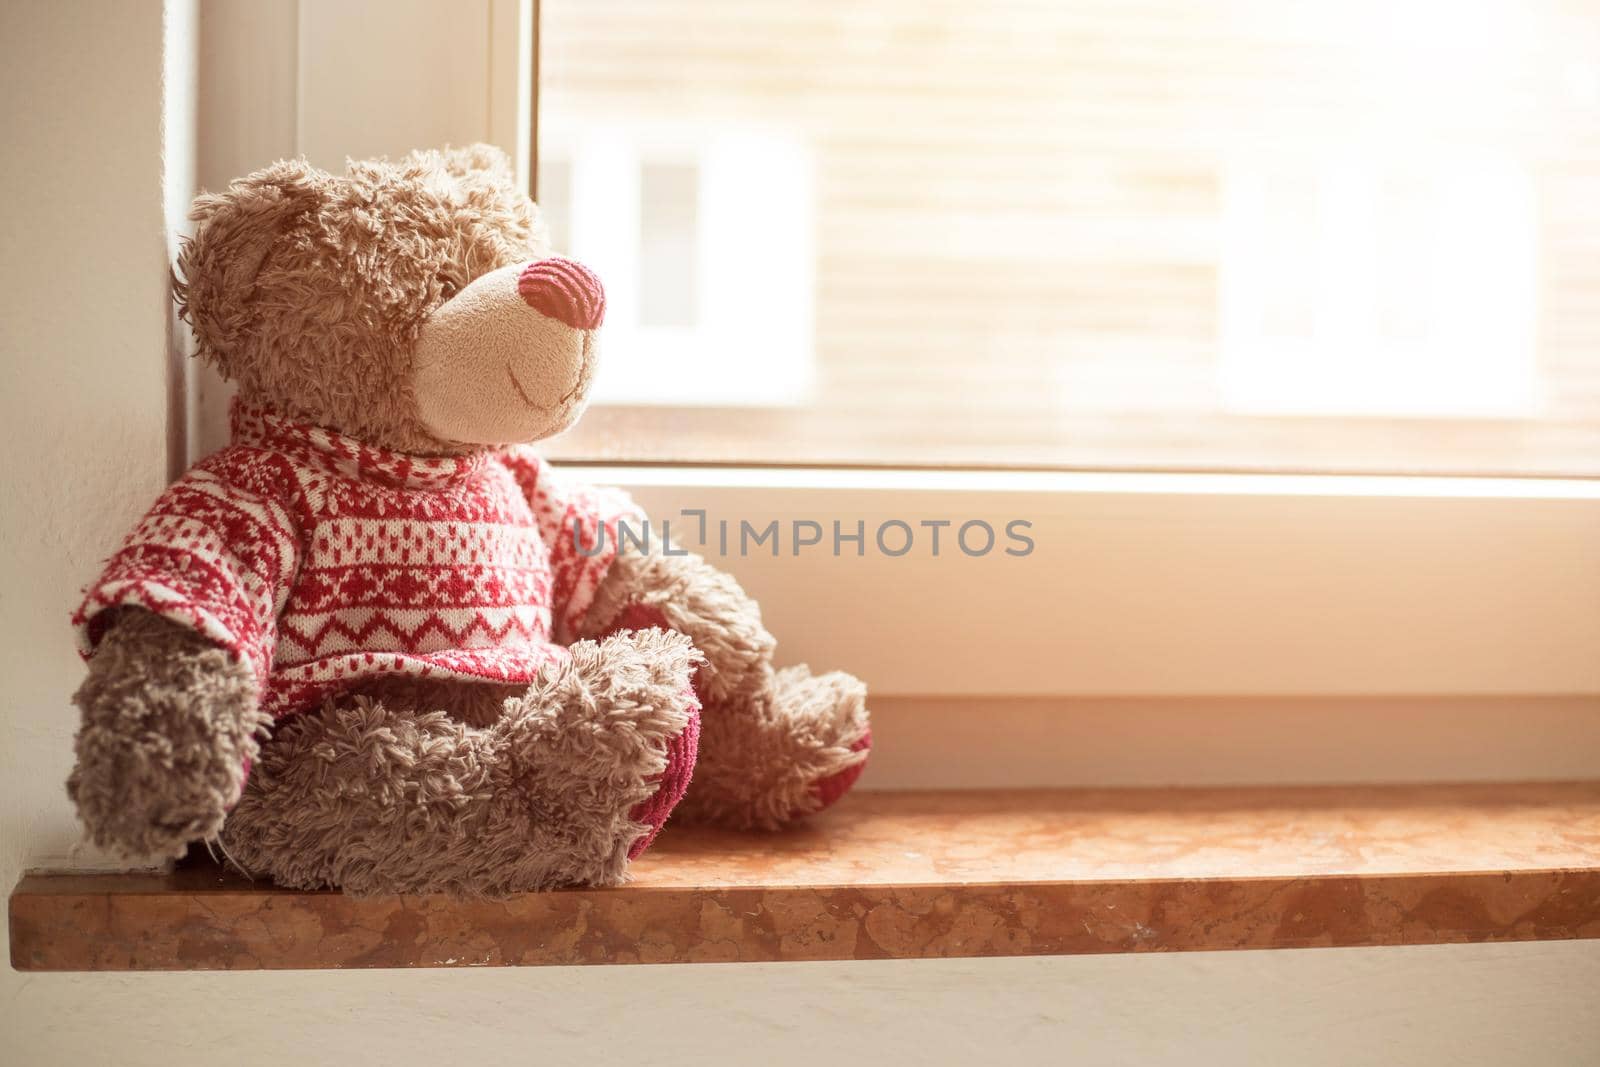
(450, 284)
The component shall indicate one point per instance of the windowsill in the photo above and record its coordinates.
(920, 875)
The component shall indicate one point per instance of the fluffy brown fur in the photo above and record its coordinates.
(763, 752)
(696, 599)
(168, 721)
(378, 795)
(308, 289)
(766, 737)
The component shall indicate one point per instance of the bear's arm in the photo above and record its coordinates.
(179, 631)
(683, 592)
(216, 554)
(582, 526)
(167, 732)
(599, 576)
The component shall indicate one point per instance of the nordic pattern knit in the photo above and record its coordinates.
(322, 562)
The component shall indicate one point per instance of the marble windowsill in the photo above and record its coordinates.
(920, 875)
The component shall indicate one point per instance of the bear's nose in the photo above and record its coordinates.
(564, 289)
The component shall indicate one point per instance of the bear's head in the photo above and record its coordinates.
(413, 305)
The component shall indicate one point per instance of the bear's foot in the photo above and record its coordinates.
(783, 750)
(577, 774)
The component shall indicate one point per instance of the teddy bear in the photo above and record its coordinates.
(377, 642)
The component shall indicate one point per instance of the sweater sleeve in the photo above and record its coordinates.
(583, 526)
(211, 555)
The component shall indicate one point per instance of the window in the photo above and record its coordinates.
(1233, 236)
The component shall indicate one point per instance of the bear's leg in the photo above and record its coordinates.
(786, 747)
(775, 745)
(377, 794)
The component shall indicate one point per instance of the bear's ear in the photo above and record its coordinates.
(215, 279)
(474, 160)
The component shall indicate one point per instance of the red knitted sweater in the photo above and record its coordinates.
(320, 561)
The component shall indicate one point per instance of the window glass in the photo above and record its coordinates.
(1314, 235)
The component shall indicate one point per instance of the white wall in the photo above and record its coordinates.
(1516, 1006)
(84, 336)
(84, 321)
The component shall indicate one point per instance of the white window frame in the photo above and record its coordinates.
(1178, 585)
(1140, 584)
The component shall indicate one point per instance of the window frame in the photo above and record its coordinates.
(1171, 585)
